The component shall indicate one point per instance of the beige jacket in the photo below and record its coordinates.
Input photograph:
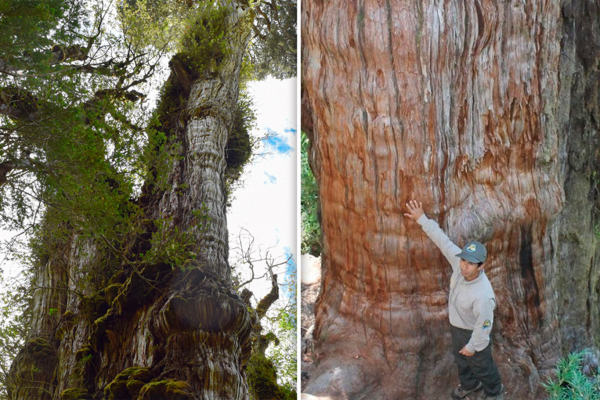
(471, 304)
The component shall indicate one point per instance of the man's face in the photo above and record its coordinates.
(469, 270)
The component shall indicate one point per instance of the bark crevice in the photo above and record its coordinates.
(496, 131)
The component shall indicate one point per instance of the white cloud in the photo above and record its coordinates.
(268, 211)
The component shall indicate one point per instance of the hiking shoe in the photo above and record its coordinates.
(460, 393)
(499, 396)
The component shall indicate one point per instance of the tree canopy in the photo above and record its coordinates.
(74, 113)
(84, 139)
(273, 49)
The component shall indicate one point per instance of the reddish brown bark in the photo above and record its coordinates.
(467, 106)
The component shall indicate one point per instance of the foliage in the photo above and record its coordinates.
(274, 375)
(273, 48)
(241, 144)
(196, 33)
(14, 325)
(172, 246)
(82, 149)
(283, 356)
(155, 23)
(76, 145)
(204, 43)
(238, 152)
(252, 268)
(71, 137)
(77, 157)
(573, 380)
(35, 25)
(262, 380)
(309, 204)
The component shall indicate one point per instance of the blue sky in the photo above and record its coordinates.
(293, 265)
(288, 273)
(279, 143)
(266, 204)
(271, 178)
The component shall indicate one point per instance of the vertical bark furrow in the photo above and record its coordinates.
(210, 107)
(479, 83)
(579, 104)
(159, 329)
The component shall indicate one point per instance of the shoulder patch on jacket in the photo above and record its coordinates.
(486, 324)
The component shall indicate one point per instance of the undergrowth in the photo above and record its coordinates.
(309, 203)
(576, 378)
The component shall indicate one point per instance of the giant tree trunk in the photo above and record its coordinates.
(487, 112)
(187, 331)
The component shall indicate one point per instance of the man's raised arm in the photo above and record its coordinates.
(434, 232)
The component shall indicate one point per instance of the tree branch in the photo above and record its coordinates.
(80, 295)
(128, 262)
(17, 75)
(257, 33)
(24, 163)
(5, 168)
(273, 7)
(267, 19)
(17, 103)
(267, 301)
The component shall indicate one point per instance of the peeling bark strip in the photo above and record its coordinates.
(468, 106)
(185, 336)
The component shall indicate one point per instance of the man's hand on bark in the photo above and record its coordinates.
(415, 209)
(466, 352)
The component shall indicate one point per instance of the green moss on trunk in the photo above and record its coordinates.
(127, 384)
(262, 379)
(168, 389)
(75, 394)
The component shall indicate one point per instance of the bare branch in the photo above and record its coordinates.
(267, 301)
(92, 39)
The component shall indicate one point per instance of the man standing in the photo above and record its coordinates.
(471, 309)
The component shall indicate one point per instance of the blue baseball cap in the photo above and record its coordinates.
(473, 252)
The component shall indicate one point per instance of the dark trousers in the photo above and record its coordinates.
(480, 367)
